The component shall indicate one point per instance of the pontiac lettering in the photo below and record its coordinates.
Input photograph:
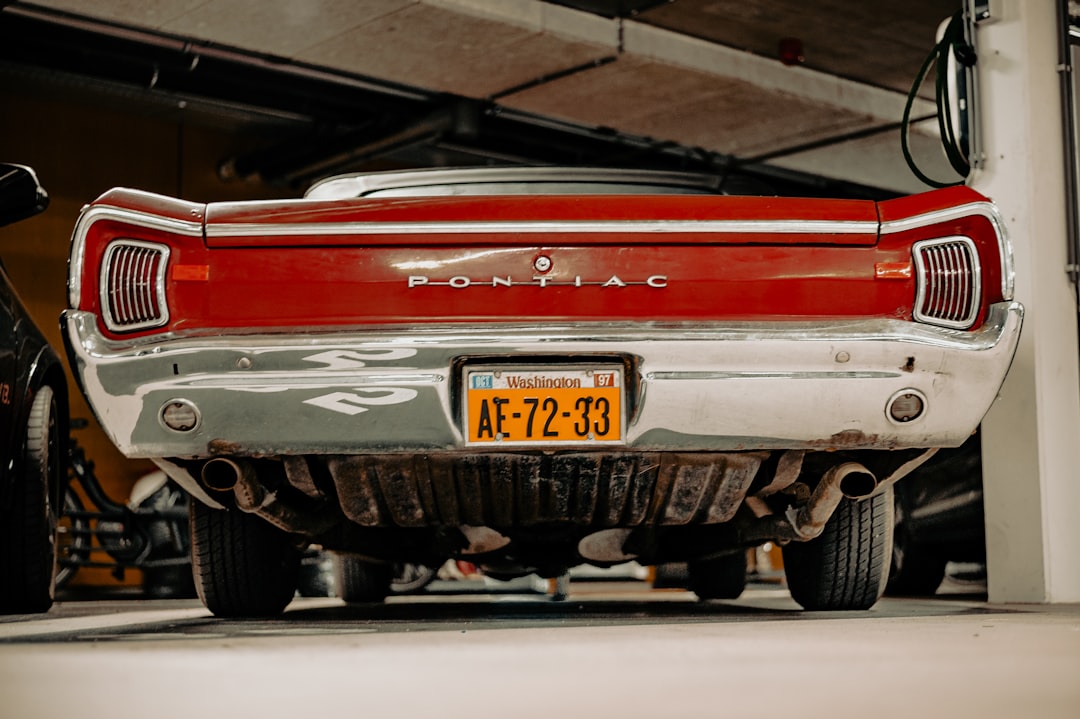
(460, 282)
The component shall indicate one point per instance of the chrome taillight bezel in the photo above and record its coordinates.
(965, 317)
(157, 287)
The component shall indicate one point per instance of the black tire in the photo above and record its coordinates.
(671, 575)
(916, 570)
(847, 566)
(243, 565)
(28, 523)
(359, 581)
(722, 577)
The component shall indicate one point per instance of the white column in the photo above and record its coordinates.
(1031, 439)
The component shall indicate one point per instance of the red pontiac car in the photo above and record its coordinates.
(538, 368)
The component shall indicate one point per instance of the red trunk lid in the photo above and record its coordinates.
(545, 220)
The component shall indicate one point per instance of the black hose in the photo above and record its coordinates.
(952, 41)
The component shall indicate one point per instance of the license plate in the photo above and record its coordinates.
(544, 405)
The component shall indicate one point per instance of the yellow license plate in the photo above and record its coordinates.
(544, 405)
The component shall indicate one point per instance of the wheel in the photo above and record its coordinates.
(72, 539)
(243, 566)
(28, 531)
(671, 575)
(916, 570)
(722, 577)
(412, 578)
(359, 581)
(847, 566)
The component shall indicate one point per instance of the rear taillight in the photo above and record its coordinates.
(133, 285)
(948, 275)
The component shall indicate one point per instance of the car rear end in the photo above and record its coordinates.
(514, 362)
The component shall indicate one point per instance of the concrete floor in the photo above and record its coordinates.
(613, 649)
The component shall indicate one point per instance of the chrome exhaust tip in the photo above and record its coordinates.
(221, 474)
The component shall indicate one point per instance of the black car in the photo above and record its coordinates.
(33, 428)
(939, 519)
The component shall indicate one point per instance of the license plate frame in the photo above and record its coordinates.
(544, 405)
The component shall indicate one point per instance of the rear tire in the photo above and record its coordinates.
(243, 566)
(723, 577)
(28, 523)
(361, 582)
(847, 566)
(671, 575)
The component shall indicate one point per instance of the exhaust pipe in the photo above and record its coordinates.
(238, 476)
(221, 474)
(850, 480)
(856, 481)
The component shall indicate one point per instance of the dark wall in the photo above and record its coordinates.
(79, 150)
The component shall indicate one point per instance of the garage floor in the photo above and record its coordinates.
(613, 649)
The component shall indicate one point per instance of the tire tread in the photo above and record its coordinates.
(847, 566)
(243, 566)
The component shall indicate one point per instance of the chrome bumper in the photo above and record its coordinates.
(703, 387)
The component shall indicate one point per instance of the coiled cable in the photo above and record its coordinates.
(952, 41)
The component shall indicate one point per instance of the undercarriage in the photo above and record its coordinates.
(546, 512)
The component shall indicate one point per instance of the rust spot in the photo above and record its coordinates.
(848, 439)
(220, 447)
(909, 366)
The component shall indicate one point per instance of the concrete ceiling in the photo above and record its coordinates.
(702, 76)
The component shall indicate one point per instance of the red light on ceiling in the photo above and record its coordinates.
(791, 51)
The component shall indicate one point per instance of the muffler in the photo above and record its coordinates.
(608, 546)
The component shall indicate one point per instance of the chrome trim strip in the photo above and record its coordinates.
(695, 376)
(985, 209)
(252, 229)
(358, 184)
(436, 336)
(275, 381)
(105, 212)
